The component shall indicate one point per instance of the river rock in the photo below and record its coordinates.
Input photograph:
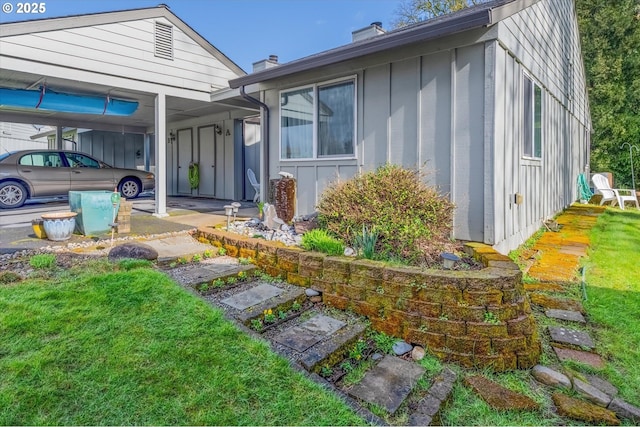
(550, 377)
(133, 250)
(401, 347)
(311, 292)
(417, 353)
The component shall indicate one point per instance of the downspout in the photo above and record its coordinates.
(265, 146)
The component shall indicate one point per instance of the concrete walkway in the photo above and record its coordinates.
(185, 214)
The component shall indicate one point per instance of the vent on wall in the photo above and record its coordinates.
(163, 41)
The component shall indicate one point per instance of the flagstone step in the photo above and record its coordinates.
(585, 357)
(572, 337)
(547, 301)
(264, 298)
(569, 315)
(544, 287)
(205, 274)
(388, 383)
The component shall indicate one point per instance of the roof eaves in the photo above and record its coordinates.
(414, 34)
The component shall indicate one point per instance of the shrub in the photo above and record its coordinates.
(7, 277)
(412, 220)
(319, 240)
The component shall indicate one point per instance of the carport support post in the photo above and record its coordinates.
(59, 142)
(161, 155)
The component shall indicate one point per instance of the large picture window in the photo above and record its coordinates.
(318, 121)
(532, 119)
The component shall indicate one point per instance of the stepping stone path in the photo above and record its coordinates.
(555, 268)
(314, 339)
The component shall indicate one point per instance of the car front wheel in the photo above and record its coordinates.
(12, 195)
(129, 188)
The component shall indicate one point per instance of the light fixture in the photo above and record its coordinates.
(236, 206)
(218, 129)
(172, 137)
(449, 259)
(228, 211)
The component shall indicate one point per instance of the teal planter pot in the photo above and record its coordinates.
(95, 210)
(59, 226)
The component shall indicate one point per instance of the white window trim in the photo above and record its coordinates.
(315, 87)
(531, 160)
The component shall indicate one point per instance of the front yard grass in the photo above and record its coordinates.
(100, 346)
(613, 292)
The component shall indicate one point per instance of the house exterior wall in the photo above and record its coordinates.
(455, 107)
(125, 49)
(17, 136)
(411, 104)
(219, 156)
(116, 149)
(542, 42)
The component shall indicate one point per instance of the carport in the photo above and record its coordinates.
(148, 56)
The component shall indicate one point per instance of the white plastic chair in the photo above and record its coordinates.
(254, 183)
(611, 194)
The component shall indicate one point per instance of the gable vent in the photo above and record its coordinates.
(163, 41)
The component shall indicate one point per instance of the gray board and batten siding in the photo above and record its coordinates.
(543, 42)
(453, 106)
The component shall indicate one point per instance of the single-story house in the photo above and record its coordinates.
(177, 79)
(491, 99)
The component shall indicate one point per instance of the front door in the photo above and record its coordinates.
(185, 157)
(207, 161)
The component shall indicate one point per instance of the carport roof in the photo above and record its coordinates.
(182, 102)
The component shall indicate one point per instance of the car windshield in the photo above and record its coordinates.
(5, 155)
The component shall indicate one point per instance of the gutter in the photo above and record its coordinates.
(388, 41)
(264, 175)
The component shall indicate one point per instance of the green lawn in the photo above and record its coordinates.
(613, 291)
(99, 346)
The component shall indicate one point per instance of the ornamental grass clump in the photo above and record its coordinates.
(321, 241)
(412, 220)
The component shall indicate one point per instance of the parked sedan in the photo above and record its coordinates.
(47, 173)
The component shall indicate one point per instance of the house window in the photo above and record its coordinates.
(318, 121)
(532, 119)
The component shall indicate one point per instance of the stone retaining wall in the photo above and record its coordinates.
(475, 318)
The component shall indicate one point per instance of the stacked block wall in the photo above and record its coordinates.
(476, 318)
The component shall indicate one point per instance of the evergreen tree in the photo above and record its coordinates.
(610, 33)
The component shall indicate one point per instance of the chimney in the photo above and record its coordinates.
(375, 29)
(264, 64)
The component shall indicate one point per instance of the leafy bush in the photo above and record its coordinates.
(319, 240)
(412, 220)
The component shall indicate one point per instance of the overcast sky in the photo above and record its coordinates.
(244, 30)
